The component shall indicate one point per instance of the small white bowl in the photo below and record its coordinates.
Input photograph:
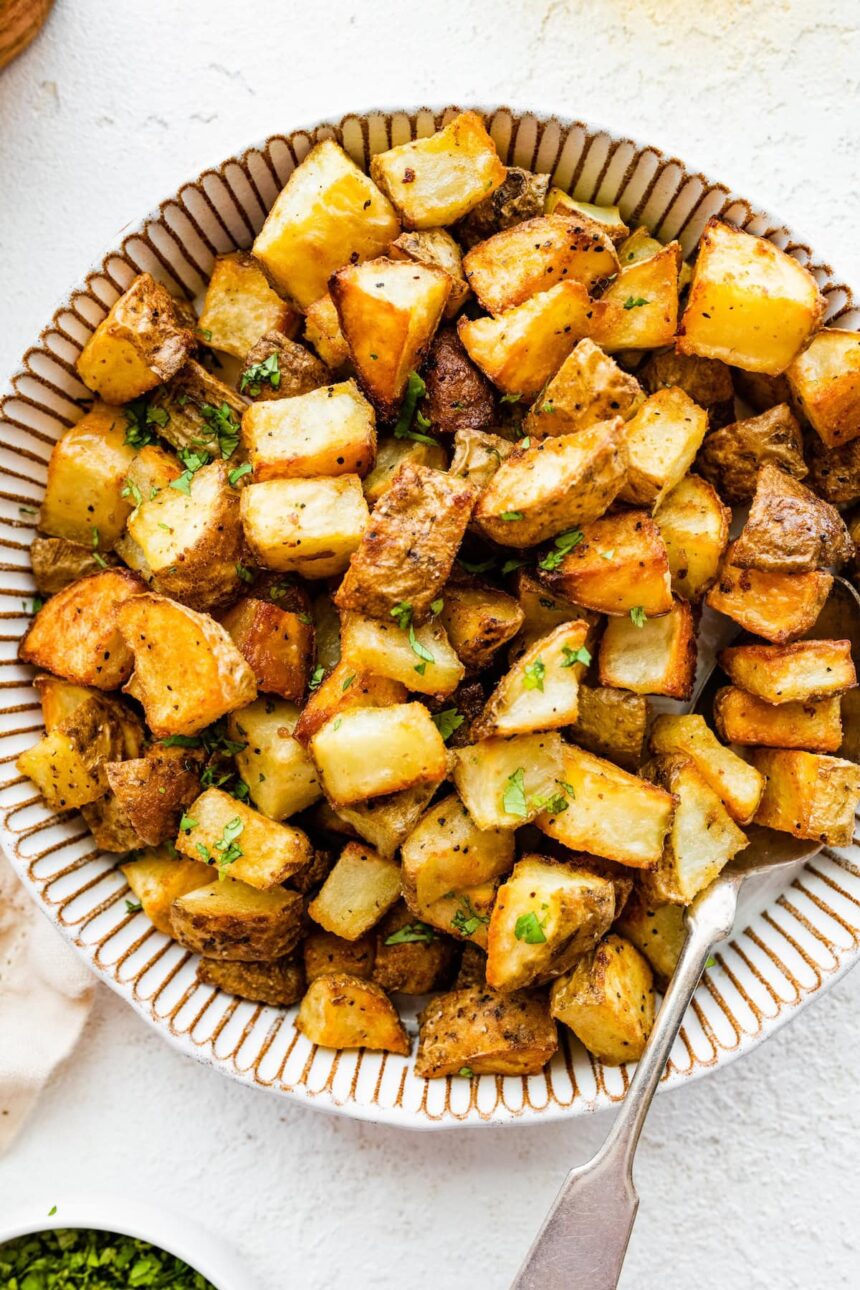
(179, 1235)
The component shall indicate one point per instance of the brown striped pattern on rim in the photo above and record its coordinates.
(802, 942)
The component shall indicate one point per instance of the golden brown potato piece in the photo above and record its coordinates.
(230, 920)
(834, 473)
(607, 217)
(731, 457)
(157, 879)
(223, 832)
(478, 1031)
(789, 529)
(741, 718)
(143, 341)
(187, 671)
(735, 782)
(151, 791)
(554, 485)
(521, 195)
(543, 611)
(360, 889)
(329, 214)
(479, 620)
(657, 656)
(608, 1001)
(791, 673)
(706, 381)
(477, 457)
(279, 983)
(277, 367)
(621, 564)
(541, 690)
(808, 795)
(56, 563)
(277, 645)
(76, 635)
(657, 931)
(420, 658)
(385, 822)
(325, 954)
(198, 412)
(59, 699)
(331, 431)
(342, 1011)
(505, 783)
(663, 438)
(410, 958)
(345, 687)
(369, 752)
(473, 968)
(759, 390)
(825, 381)
(458, 396)
(306, 526)
(240, 305)
(611, 723)
(322, 330)
(639, 309)
(280, 775)
(750, 304)
(85, 500)
(68, 765)
(389, 311)
(587, 388)
(517, 263)
(436, 181)
(694, 525)
(436, 247)
(446, 851)
(393, 453)
(778, 606)
(109, 825)
(406, 552)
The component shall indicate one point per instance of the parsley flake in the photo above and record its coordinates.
(564, 543)
(348, 682)
(528, 928)
(571, 656)
(467, 920)
(131, 907)
(466, 1072)
(436, 606)
(447, 721)
(510, 398)
(638, 617)
(421, 650)
(534, 674)
(229, 850)
(415, 390)
(237, 473)
(255, 376)
(634, 302)
(402, 614)
(411, 934)
(186, 824)
(243, 573)
(514, 796)
(508, 516)
(224, 426)
(475, 566)
(316, 677)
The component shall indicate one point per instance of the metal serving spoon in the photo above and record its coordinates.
(584, 1238)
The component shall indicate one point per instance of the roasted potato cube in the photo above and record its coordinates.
(639, 309)
(306, 526)
(407, 550)
(326, 954)
(791, 673)
(389, 311)
(654, 656)
(541, 690)
(522, 195)
(612, 814)
(612, 724)
(620, 564)
(277, 367)
(436, 247)
(240, 305)
(554, 485)
(200, 414)
(360, 889)
(543, 611)
(707, 382)
(808, 795)
(221, 831)
(331, 431)
(750, 303)
(143, 341)
(436, 181)
(280, 775)
(732, 457)
(662, 440)
(84, 500)
(608, 217)
(279, 983)
(231, 920)
(410, 957)
(789, 529)
(815, 724)
(447, 852)
(391, 454)
(473, 968)
(277, 645)
(524, 347)
(342, 1011)
(59, 699)
(834, 473)
(187, 671)
(152, 469)
(477, 1031)
(760, 391)
(588, 387)
(76, 634)
(368, 752)
(608, 1001)
(420, 658)
(546, 916)
(386, 821)
(657, 931)
(694, 525)
(56, 563)
(151, 791)
(825, 381)
(505, 783)
(346, 687)
(157, 879)
(457, 395)
(322, 330)
(736, 783)
(479, 620)
(109, 825)
(68, 764)
(477, 457)
(330, 213)
(778, 606)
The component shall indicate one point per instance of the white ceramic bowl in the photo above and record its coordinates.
(800, 942)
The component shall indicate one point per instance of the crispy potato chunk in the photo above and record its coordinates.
(458, 396)
(368, 752)
(325, 954)
(608, 217)
(521, 196)
(157, 879)
(620, 564)
(732, 457)
(322, 330)
(663, 438)
(436, 181)
(410, 957)
(331, 431)
(825, 381)
(280, 775)
(834, 473)
(514, 265)
(436, 247)
(279, 983)
(736, 783)
(612, 724)
(346, 687)
(152, 469)
(306, 526)
(391, 454)
(815, 724)
(611, 814)
(554, 485)
(791, 673)
(240, 305)
(187, 671)
(639, 309)
(608, 1001)
(330, 213)
(789, 529)
(277, 645)
(56, 563)
(59, 699)
(546, 916)
(505, 783)
(479, 620)
(750, 304)
(808, 795)
(657, 931)
(694, 525)
(707, 382)
(360, 889)
(408, 548)
(477, 457)
(342, 1011)
(385, 822)
(233, 921)
(221, 831)
(277, 367)
(447, 852)
(656, 657)
(477, 1031)
(84, 499)
(524, 347)
(68, 765)
(76, 634)
(778, 606)
(473, 968)
(143, 341)
(152, 790)
(198, 412)
(588, 387)
(542, 611)
(541, 690)
(420, 658)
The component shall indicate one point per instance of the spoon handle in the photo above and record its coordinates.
(584, 1238)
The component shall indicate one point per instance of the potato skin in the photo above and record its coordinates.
(459, 396)
(152, 790)
(411, 967)
(268, 928)
(789, 529)
(277, 645)
(730, 458)
(520, 196)
(57, 562)
(325, 953)
(300, 371)
(342, 1011)
(834, 473)
(707, 381)
(485, 1033)
(279, 983)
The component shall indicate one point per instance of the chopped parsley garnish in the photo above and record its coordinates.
(509, 516)
(527, 928)
(182, 741)
(140, 420)
(510, 398)
(130, 489)
(415, 390)
(402, 614)
(187, 823)
(74, 1258)
(534, 674)
(255, 376)
(571, 656)
(467, 920)
(193, 459)
(411, 934)
(226, 846)
(466, 1072)
(712, 962)
(422, 652)
(131, 907)
(243, 573)
(348, 682)
(510, 565)
(564, 543)
(514, 796)
(316, 677)
(634, 302)
(476, 566)
(240, 790)
(555, 803)
(238, 471)
(436, 606)
(638, 617)
(447, 722)
(224, 426)
(99, 559)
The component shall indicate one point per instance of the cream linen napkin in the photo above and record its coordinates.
(46, 994)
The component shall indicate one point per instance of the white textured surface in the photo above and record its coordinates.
(747, 1178)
